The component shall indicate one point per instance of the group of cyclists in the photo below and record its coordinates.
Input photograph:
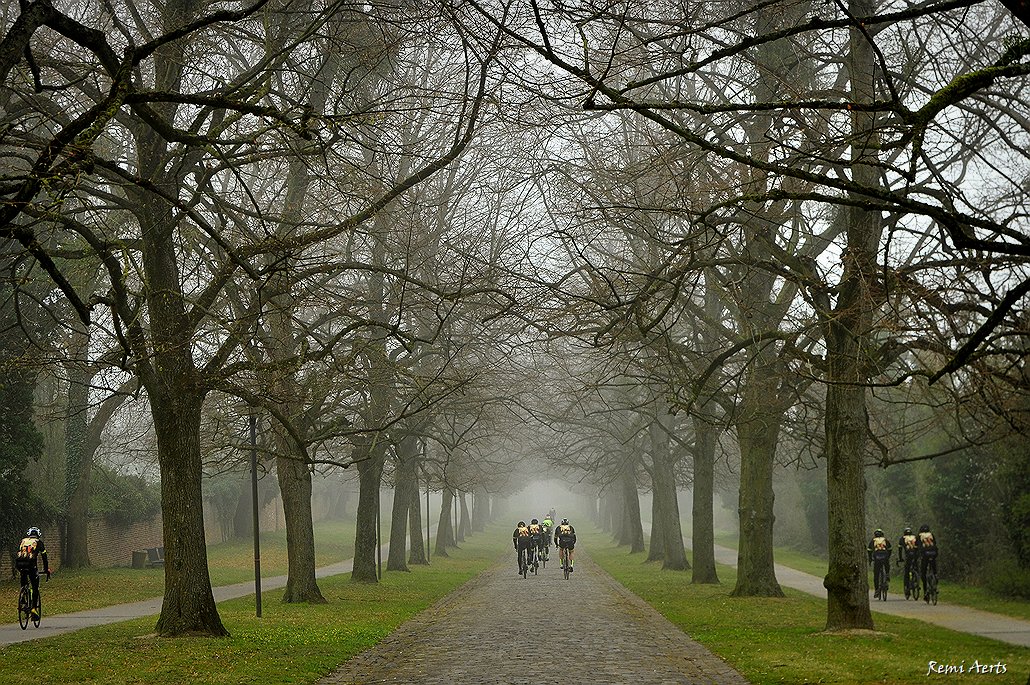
(914, 549)
(532, 542)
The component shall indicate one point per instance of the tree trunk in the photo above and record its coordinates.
(79, 461)
(847, 331)
(406, 483)
(464, 520)
(167, 371)
(338, 503)
(632, 533)
(664, 487)
(372, 457)
(760, 414)
(295, 486)
(656, 551)
(703, 518)
(418, 546)
(613, 512)
(675, 558)
(480, 510)
(757, 434)
(189, 605)
(445, 531)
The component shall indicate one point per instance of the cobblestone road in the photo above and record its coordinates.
(501, 628)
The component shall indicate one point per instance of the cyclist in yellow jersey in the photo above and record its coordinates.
(29, 551)
(879, 551)
(927, 555)
(908, 552)
(565, 538)
(522, 540)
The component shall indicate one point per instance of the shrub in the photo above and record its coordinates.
(123, 499)
(1006, 578)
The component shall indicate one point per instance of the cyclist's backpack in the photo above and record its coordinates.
(534, 529)
(27, 552)
(928, 544)
(523, 532)
(910, 542)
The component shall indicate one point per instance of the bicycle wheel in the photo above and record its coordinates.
(565, 565)
(915, 586)
(24, 607)
(931, 587)
(39, 612)
(884, 582)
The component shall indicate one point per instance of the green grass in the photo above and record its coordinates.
(782, 640)
(228, 563)
(950, 592)
(295, 643)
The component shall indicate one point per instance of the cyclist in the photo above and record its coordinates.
(565, 538)
(29, 551)
(536, 532)
(545, 540)
(522, 540)
(927, 555)
(879, 551)
(908, 551)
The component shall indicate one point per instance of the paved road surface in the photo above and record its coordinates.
(501, 628)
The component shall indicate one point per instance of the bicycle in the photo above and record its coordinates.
(563, 557)
(523, 566)
(25, 605)
(911, 581)
(532, 561)
(931, 585)
(881, 582)
(542, 553)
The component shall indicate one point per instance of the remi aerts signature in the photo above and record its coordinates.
(980, 667)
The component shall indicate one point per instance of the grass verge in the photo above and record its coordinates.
(781, 640)
(291, 643)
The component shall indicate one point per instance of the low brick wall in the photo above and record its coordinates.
(109, 545)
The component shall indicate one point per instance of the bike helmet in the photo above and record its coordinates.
(564, 521)
(878, 533)
(521, 524)
(907, 531)
(534, 521)
(33, 532)
(925, 528)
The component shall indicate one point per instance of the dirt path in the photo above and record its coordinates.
(501, 628)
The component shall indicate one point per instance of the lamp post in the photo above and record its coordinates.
(254, 502)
